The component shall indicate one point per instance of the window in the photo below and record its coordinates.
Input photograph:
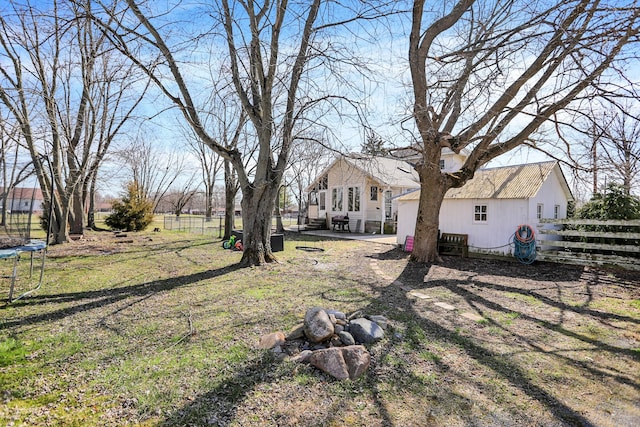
(556, 212)
(441, 164)
(313, 198)
(480, 213)
(353, 199)
(387, 203)
(322, 202)
(336, 199)
(374, 193)
(323, 182)
(539, 210)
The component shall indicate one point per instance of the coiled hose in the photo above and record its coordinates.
(525, 244)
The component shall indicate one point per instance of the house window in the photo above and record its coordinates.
(539, 210)
(336, 199)
(313, 198)
(323, 182)
(322, 202)
(556, 211)
(387, 203)
(353, 199)
(480, 213)
(441, 164)
(374, 193)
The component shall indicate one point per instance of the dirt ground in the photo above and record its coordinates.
(567, 337)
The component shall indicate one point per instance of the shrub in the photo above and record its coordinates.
(133, 213)
(613, 204)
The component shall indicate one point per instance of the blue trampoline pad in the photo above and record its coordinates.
(8, 253)
(32, 246)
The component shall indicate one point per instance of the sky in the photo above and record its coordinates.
(385, 99)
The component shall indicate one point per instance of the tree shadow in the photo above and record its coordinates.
(85, 301)
(220, 404)
(512, 372)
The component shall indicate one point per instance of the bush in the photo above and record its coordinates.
(613, 204)
(133, 213)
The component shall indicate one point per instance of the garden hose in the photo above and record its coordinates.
(525, 244)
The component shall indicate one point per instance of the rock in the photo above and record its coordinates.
(357, 358)
(380, 320)
(336, 341)
(271, 340)
(296, 333)
(332, 318)
(346, 338)
(337, 314)
(303, 356)
(279, 353)
(342, 362)
(317, 325)
(338, 328)
(354, 315)
(365, 331)
(331, 361)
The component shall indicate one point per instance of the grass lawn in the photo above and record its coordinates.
(162, 329)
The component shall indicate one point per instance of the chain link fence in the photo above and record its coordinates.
(195, 224)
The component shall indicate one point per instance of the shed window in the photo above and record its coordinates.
(556, 211)
(539, 210)
(480, 213)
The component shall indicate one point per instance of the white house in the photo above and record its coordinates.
(23, 199)
(362, 187)
(491, 206)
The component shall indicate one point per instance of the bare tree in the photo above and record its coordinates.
(270, 70)
(308, 159)
(487, 76)
(621, 150)
(154, 169)
(56, 85)
(180, 196)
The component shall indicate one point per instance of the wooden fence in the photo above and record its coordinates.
(590, 242)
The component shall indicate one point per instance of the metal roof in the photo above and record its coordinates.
(387, 171)
(507, 182)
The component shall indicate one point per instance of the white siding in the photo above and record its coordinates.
(503, 218)
(407, 214)
(550, 195)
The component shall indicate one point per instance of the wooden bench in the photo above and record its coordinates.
(453, 244)
(341, 221)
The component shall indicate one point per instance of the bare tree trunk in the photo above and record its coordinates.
(230, 190)
(428, 219)
(256, 227)
(77, 219)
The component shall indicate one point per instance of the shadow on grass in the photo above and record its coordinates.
(93, 299)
